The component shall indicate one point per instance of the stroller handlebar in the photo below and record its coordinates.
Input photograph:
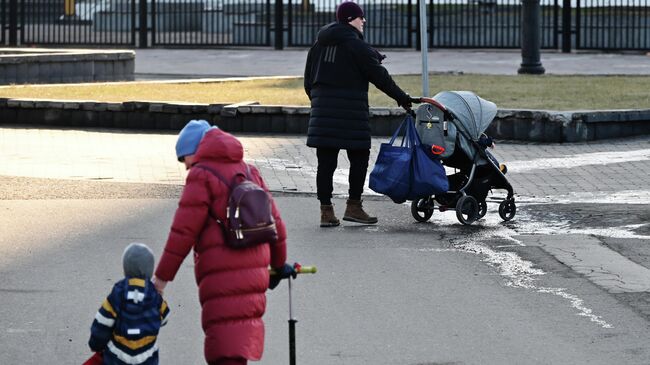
(422, 99)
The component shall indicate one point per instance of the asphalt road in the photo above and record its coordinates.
(395, 293)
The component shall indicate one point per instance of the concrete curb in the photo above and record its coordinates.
(250, 117)
(39, 66)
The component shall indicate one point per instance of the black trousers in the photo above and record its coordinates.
(327, 162)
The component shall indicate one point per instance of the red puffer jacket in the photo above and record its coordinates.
(232, 283)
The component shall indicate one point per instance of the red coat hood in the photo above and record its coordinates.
(221, 146)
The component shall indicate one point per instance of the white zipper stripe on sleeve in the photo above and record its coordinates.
(108, 322)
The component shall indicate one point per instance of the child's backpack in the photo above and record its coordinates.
(249, 216)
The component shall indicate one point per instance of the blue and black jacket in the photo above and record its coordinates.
(126, 326)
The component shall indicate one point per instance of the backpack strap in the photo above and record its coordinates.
(215, 173)
(223, 179)
(225, 182)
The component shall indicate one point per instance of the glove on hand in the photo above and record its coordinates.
(281, 273)
(405, 102)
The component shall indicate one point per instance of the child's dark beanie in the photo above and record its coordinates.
(138, 261)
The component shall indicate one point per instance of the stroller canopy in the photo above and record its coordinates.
(472, 112)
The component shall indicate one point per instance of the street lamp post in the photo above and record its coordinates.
(530, 38)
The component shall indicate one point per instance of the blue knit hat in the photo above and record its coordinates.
(190, 136)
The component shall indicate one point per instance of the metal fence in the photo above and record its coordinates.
(618, 25)
(487, 24)
(452, 23)
(389, 23)
(68, 22)
(598, 24)
(207, 23)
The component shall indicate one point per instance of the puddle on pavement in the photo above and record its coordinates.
(601, 219)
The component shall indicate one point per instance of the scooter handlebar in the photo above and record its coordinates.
(299, 269)
(306, 270)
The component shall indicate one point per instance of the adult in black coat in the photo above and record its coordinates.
(339, 67)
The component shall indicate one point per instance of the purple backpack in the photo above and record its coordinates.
(249, 217)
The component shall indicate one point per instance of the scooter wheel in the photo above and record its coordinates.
(507, 209)
(422, 209)
(467, 210)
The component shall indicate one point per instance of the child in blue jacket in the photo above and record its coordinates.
(126, 326)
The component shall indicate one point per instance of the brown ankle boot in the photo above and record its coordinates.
(327, 217)
(354, 213)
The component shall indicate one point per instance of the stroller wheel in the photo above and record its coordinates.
(422, 209)
(467, 210)
(482, 209)
(507, 209)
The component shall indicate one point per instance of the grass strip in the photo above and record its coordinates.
(550, 92)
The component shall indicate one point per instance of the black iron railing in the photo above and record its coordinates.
(590, 24)
(389, 23)
(3, 22)
(69, 22)
(618, 25)
(486, 24)
(451, 23)
(212, 22)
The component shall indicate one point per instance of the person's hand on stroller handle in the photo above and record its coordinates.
(406, 102)
(415, 100)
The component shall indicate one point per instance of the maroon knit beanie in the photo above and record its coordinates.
(347, 11)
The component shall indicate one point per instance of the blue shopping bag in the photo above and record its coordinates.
(428, 175)
(392, 172)
(406, 172)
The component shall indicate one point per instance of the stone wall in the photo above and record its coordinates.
(250, 117)
(40, 66)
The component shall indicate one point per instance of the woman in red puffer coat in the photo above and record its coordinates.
(232, 283)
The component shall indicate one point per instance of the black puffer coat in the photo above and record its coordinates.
(339, 66)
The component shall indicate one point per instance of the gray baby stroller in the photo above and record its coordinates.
(453, 123)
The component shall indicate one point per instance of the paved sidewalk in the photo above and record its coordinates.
(193, 63)
(609, 169)
(613, 170)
